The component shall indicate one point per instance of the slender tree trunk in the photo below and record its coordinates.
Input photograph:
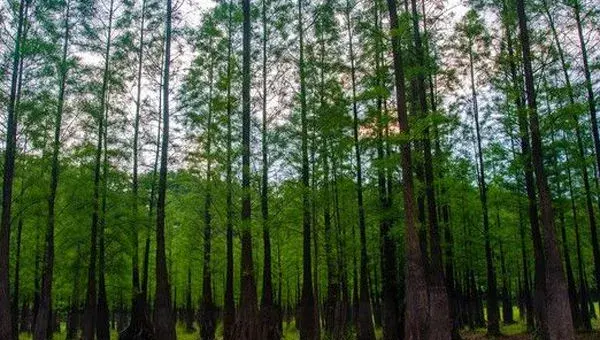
(229, 308)
(102, 318)
(538, 308)
(389, 264)
(139, 323)
(493, 324)
(152, 203)
(91, 306)
(7, 184)
(559, 324)
(247, 319)
(507, 311)
(415, 279)
(269, 315)
(164, 323)
(525, 291)
(583, 292)
(439, 311)
(207, 311)
(365, 329)
(307, 321)
(45, 307)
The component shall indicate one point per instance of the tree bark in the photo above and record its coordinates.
(247, 318)
(559, 324)
(415, 279)
(164, 323)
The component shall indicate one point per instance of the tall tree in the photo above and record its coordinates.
(307, 320)
(247, 318)
(439, 308)
(229, 303)
(558, 322)
(415, 280)
(139, 323)
(42, 318)
(164, 323)
(90, 316)
(364, 323)
(270, 327)
(7, 183)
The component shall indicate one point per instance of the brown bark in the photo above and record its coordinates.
(415, 280)
(558, 320)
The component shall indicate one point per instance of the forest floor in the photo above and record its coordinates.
(515, 331)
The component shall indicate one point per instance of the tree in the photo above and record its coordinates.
(557, 322)
(247, 318)
(44, 311)
(415, 279)
(164, 324)
(7, 183)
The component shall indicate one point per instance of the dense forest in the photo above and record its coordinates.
(299, 169)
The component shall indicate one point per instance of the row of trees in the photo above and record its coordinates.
(403, 141)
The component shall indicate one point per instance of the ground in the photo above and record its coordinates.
(515, 331)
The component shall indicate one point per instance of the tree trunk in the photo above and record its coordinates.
(583, 292)
(268, 311)
(139, 325)
(7, 184)
(365, 329)
(415, 280)
(307, 321)
(493, 324)
(247, 318)
(207, 311)
(558, 320)
(91, 306)
(164, 324)
(507, 311)
(229, 303)
(389, 265)
(48, 265)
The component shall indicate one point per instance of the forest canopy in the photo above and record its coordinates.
(299, 169)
